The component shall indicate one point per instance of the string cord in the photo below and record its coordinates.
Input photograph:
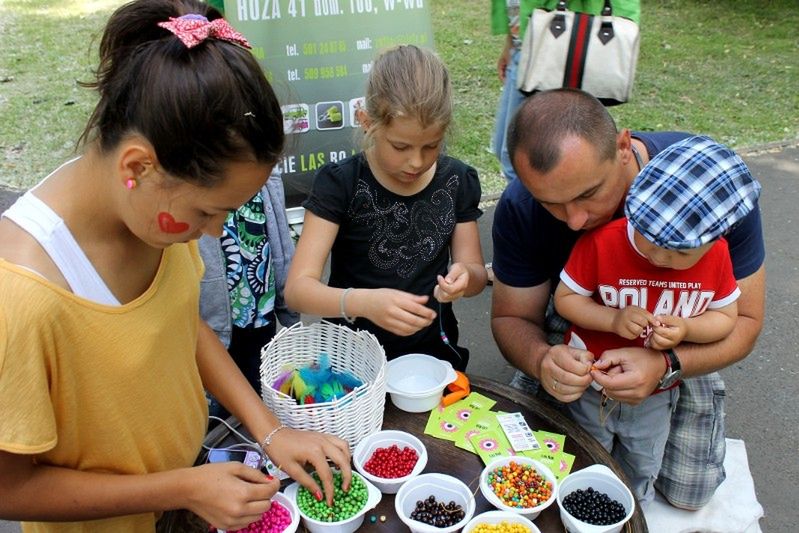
(443, 334)
(603, 414)
(246, 443)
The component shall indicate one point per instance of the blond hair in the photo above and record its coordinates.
(409, 81)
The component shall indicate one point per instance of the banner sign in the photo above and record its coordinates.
(317, 55)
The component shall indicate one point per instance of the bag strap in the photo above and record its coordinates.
(605, 33)
(558, 24)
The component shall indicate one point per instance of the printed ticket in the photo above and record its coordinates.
(518, 432)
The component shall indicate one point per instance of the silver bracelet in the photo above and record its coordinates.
(341, 306)
(268, 440)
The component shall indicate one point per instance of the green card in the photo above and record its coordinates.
(491, 444)
(473, 402)
(551, 453)
(439, 427)
(544, 457)
(477, 424)
(564, 466)
(560, 464)
(452, 419)
(552, 441)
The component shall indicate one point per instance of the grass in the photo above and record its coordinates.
(725, 68)
(45, 50)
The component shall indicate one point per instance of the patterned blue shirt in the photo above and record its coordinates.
(250, 279)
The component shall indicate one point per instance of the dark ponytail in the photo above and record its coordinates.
(200, 108)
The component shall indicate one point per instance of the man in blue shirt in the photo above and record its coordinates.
(574, 171)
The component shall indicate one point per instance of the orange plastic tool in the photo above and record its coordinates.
(459, 389)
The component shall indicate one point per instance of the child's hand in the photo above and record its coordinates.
(452, 287)
(631, 321)
(668, 332)
(295, 451)
(229, 495)
(399, 312)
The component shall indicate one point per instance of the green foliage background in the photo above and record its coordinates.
(725, 68)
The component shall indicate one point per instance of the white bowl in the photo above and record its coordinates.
(600, 478)
(345, 526)
(416, 381)
(291, 507)
(493, 499)
(384, 439)
(444, 488)
(498, 517)
(287, 504)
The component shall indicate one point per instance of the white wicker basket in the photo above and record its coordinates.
(352, 417)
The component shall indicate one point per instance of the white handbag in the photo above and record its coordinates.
(595, 53)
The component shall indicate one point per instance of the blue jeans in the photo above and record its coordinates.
(509, 101)
(693, 460)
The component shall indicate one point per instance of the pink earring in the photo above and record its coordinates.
(131, 183)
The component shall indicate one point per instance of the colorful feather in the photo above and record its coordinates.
(316, 383)
(281, 379)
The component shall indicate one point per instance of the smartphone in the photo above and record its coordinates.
(224, 455)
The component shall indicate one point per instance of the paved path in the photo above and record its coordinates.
(762, 405)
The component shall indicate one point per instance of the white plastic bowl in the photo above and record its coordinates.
(498, 517)
(493, 499)
(600, 478)
(291, 507)
(345, 526)
(384, 439)
(416, 381)
(444, 488)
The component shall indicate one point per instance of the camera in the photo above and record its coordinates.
(223, 455)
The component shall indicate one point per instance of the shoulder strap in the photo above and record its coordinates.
(43, 224)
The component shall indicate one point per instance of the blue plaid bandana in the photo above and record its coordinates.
(690, 194)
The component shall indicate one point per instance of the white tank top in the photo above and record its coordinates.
(43, 224)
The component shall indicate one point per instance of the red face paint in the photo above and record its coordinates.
(168, 225)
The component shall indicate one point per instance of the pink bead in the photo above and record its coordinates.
(275, 520)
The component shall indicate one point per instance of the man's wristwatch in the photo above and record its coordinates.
(673, 370)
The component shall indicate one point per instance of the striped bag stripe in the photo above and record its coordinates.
(578, 50)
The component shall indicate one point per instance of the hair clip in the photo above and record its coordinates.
(192, 29)
(131, 183)
(249, 114)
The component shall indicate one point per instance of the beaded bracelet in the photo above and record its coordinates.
(341, 306)
(268, 440)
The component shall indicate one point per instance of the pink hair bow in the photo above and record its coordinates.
(194, 29)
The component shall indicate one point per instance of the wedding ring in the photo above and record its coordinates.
(555, 384)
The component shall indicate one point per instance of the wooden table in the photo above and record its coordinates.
(445, 457)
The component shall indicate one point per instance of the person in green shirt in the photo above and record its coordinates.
(510, 17)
